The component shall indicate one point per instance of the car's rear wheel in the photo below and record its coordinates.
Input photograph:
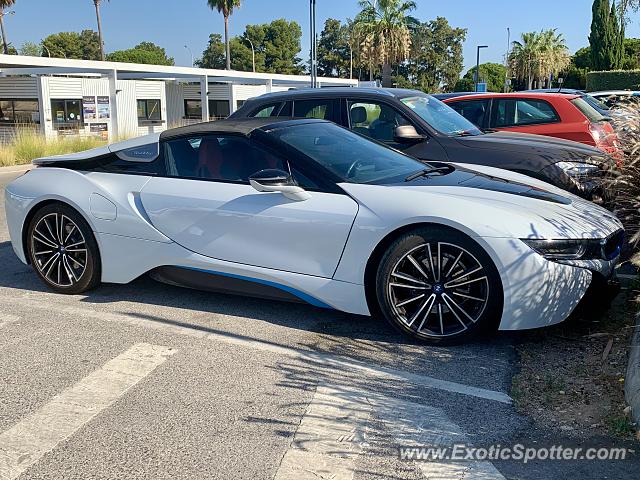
(63, 250)
(438, 285)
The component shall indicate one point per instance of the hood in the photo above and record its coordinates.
(557, 149)
(487, 205)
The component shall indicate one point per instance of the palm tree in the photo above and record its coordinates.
(5, 4)
(96, 3)
(384, 29)
(538, 56)
(225, 7)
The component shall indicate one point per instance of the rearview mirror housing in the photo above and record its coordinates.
(407, 134)
(275, 180)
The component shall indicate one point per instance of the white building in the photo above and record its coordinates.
(80, 97)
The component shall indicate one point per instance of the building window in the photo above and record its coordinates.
(67, 114)
(219, 108)
(149, 111)
(193, 109)
(19, 111)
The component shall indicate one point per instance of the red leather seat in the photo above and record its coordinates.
(210, 159)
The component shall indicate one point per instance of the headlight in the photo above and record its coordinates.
(585, 249)
(580, 172)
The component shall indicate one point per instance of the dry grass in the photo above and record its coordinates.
(28, 145)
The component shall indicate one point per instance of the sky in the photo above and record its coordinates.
(173, 25)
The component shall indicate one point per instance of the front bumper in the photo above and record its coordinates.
(539, 292)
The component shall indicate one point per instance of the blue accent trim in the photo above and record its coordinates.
(301, 295)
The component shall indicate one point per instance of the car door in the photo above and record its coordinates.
(476, 111)
(205, 204)
(525, 115)
(378, 120)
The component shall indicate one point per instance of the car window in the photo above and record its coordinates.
(321, 109)
(473, 110)
(511, 112)
(270, 110)
(217, 157)
(349, 156)
(587, 110)
(440, 116)
(375, 120)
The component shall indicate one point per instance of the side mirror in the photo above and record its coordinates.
(407, 134)
(273, 180)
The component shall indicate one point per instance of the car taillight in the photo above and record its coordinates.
(605, 138)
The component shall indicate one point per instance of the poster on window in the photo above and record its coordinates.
(89, 108)
(103, 108)
(99, 130)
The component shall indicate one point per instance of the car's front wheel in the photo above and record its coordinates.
(63, 250)
(438, 285)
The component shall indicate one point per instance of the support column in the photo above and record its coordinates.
(113, 102)
(232, 99)
(269, 84)
(204, 98)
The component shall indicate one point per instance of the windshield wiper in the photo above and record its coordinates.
(426, 172)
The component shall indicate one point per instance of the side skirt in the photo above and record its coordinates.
(221, 282)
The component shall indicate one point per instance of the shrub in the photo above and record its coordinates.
(613, 80)
(28, 145)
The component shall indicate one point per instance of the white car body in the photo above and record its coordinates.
(316, 249)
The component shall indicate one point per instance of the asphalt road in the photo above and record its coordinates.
(151, 381)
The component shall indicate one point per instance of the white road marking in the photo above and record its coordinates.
(334, 429)
(324, 359)
(27, 441)
(7, 318)
(329, 437)
(425, 426)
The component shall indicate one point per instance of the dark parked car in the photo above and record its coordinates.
(429, 130)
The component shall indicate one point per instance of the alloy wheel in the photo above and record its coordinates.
(59, 250)
(438, 289)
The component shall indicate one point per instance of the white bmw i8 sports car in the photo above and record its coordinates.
(305, 210)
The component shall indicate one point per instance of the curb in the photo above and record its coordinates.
(17, 168)
(632, 382)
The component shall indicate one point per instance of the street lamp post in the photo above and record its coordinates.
(477, 75)
(506, 61)
(314, 53)
(47, 49)
(190, 53)
(253, 54)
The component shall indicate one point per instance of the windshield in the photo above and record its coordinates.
(348, 155)
(440, 116)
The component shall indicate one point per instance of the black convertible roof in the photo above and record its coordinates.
(243, 126)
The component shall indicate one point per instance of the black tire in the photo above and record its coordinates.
(62, 249)
(447, 299)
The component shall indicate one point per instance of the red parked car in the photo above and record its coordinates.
(554, 114)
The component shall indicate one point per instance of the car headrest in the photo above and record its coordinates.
(358, 115)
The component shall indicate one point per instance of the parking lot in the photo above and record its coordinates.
(151, 381)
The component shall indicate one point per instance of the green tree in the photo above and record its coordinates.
(604, 37)
(436, 59)
(631, 59)
(214, 55)
(225, 7)
(5, 41)
(84, 45)
(538, 56)
(277, 45)
(582, 58)
(31, 49)
(494, 74)
(145, 52)
(334, 56)
(96, 4)
(384, 31)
